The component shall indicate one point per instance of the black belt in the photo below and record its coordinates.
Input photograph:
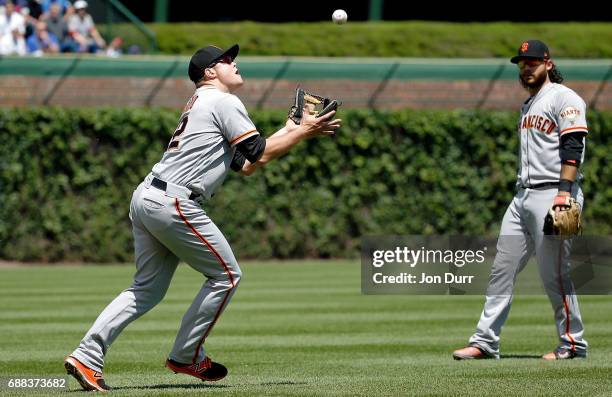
(161, 185)
(541, 185)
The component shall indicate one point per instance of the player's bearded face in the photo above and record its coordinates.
(532, 73)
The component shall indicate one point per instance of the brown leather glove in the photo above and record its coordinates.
(305, 101)
(567, 221)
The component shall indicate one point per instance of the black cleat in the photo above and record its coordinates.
(205, 369)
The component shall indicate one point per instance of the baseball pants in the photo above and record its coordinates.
(168, 227)
(520, 237)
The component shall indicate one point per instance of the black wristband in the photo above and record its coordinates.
(565, 185)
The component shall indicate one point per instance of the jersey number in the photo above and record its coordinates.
(174, 142)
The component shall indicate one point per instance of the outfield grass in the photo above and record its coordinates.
(297, 328)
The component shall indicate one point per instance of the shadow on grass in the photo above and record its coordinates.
(521, 356)
(282, 383)
(201, 386)
(173, 386)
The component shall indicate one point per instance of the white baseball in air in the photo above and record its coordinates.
(339, 17)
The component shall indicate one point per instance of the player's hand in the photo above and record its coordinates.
(309, 109)
(317, 126)
(290, 125)
(559, 203)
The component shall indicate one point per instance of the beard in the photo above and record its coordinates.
(538, 81)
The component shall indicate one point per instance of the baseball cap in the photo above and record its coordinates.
(532, 49)
(204, 57)
(80, 4)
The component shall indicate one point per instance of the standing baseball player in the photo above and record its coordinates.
(169, 222)
(552, 130)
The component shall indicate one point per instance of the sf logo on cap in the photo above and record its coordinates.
(524, 47)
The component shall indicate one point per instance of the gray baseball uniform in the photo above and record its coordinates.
(553, 112)
(169, 225)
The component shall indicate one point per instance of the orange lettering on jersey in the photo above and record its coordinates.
(539, 123)
(190, 103)
(570, 113)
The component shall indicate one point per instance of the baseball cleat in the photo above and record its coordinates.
(205, 369)
(87, 377)
(471, 353)
(563, 353)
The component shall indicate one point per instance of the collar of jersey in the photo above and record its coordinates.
(540, 93)
(207, 87)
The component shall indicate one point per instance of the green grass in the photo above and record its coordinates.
(297, 328)
(379, 39)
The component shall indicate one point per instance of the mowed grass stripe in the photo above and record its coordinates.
(297, 328)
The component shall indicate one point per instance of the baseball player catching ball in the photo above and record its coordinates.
(214, 135)
(552, 130)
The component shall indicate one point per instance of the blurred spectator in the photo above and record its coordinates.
(42, 41)
(17, 3)
(114, 48)
(134, 49)
(57, 25)
(65, 8)
(31, 10)
(24, 7)
(83, 30)
(12, 31)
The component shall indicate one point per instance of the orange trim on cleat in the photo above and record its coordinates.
(205, 369)
(87, 377)
(565, 353)
(471, 353)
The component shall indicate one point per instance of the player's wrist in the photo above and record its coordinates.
(565, 186)
(304, 131)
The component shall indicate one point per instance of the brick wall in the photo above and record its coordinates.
(266, 93)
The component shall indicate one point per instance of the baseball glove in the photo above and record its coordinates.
(311, 102)
(567, 222)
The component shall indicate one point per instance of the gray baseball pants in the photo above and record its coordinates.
(168, 227)
(520, 237)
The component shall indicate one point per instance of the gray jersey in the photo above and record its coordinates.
(82, 26)
(553, 112)
(202, 147)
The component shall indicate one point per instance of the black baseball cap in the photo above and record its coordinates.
(532, 49)
(204, 57)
